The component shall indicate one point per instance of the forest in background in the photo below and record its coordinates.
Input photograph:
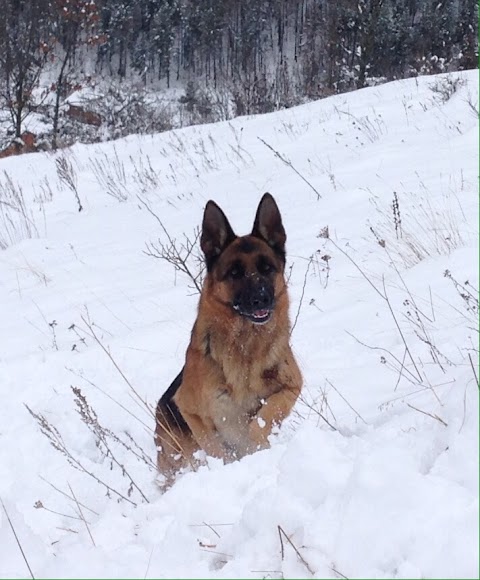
(227, 57)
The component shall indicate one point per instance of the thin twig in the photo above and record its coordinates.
(172, 254)
(89, 325)
(473, 369)
(109, 396)
(412, 378)
(302, 296)
(90, 419)
(342, 397)
(319, 413)
(215, 552)
(289, 164)
(211, 528)
(82, 517)
(282, 549)
(56, 440)
(339, 573)
(302, 559)
(400, 373)
(399, 329)
(357, 267)
(66, 529)
(66, 495)
(436, 417)
(39, 505)
(407, 290)
(412, 393)
(17, 540)
(148, 565)
(431, 303)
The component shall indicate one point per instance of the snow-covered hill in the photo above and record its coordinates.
(375, 474)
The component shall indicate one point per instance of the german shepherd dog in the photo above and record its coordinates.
(240, 377)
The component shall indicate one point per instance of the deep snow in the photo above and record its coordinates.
(389, 488)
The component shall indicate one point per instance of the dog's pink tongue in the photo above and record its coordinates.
(260, 313)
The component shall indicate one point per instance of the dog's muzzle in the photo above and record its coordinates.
(255, 303)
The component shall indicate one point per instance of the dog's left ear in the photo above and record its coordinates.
(268, 225)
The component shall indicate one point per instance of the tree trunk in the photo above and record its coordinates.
(56, 110)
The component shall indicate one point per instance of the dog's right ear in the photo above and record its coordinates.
(268, 225)
(217, 233)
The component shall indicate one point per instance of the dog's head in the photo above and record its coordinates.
(245, 273)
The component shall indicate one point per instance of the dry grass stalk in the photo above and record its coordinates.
(312, 406)
(56, 440)
(467, 293)
(15, 220)
(66, 174)
(399, 329)
(126, 409)
(334, 570)
(137, 397)
(82, 517)
(281, 532)
(111, 175)
(473, 369)
(17, 539)
(345, 400)
(288, 163)
(397, 219)
(302, 296)
(174, 443)
(433, 416)
(426, 228)
(89, 417)
(401, 364)
(39, 505)
(67, 496)
(165, 425)
(385, 297)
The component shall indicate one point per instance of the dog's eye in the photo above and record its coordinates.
(265, 267)
(236, 271)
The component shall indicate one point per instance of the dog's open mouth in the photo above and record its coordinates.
(259, 316)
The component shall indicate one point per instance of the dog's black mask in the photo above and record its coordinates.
(255, 300)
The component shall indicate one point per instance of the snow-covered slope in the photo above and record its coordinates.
(375, 474)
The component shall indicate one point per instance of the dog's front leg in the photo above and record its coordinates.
(206, 435)
(273, 412)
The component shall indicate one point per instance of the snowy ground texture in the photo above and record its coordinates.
(389, 486)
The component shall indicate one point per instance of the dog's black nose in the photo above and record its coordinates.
(261, 299)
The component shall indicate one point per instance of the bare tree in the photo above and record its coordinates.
(24, 48)
(73, 23)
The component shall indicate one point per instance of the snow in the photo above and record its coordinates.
(389, 486)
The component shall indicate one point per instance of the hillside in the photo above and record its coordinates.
(375, 473)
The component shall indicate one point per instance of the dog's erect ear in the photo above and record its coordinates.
(217, 233)
(268, 225)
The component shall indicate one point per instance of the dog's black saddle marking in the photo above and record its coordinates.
(168, 407)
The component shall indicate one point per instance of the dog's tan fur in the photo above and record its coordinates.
(240, 378)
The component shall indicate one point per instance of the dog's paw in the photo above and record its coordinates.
(258, 433)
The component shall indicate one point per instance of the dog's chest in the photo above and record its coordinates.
(233, 407)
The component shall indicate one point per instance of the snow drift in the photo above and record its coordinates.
(375, 473)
